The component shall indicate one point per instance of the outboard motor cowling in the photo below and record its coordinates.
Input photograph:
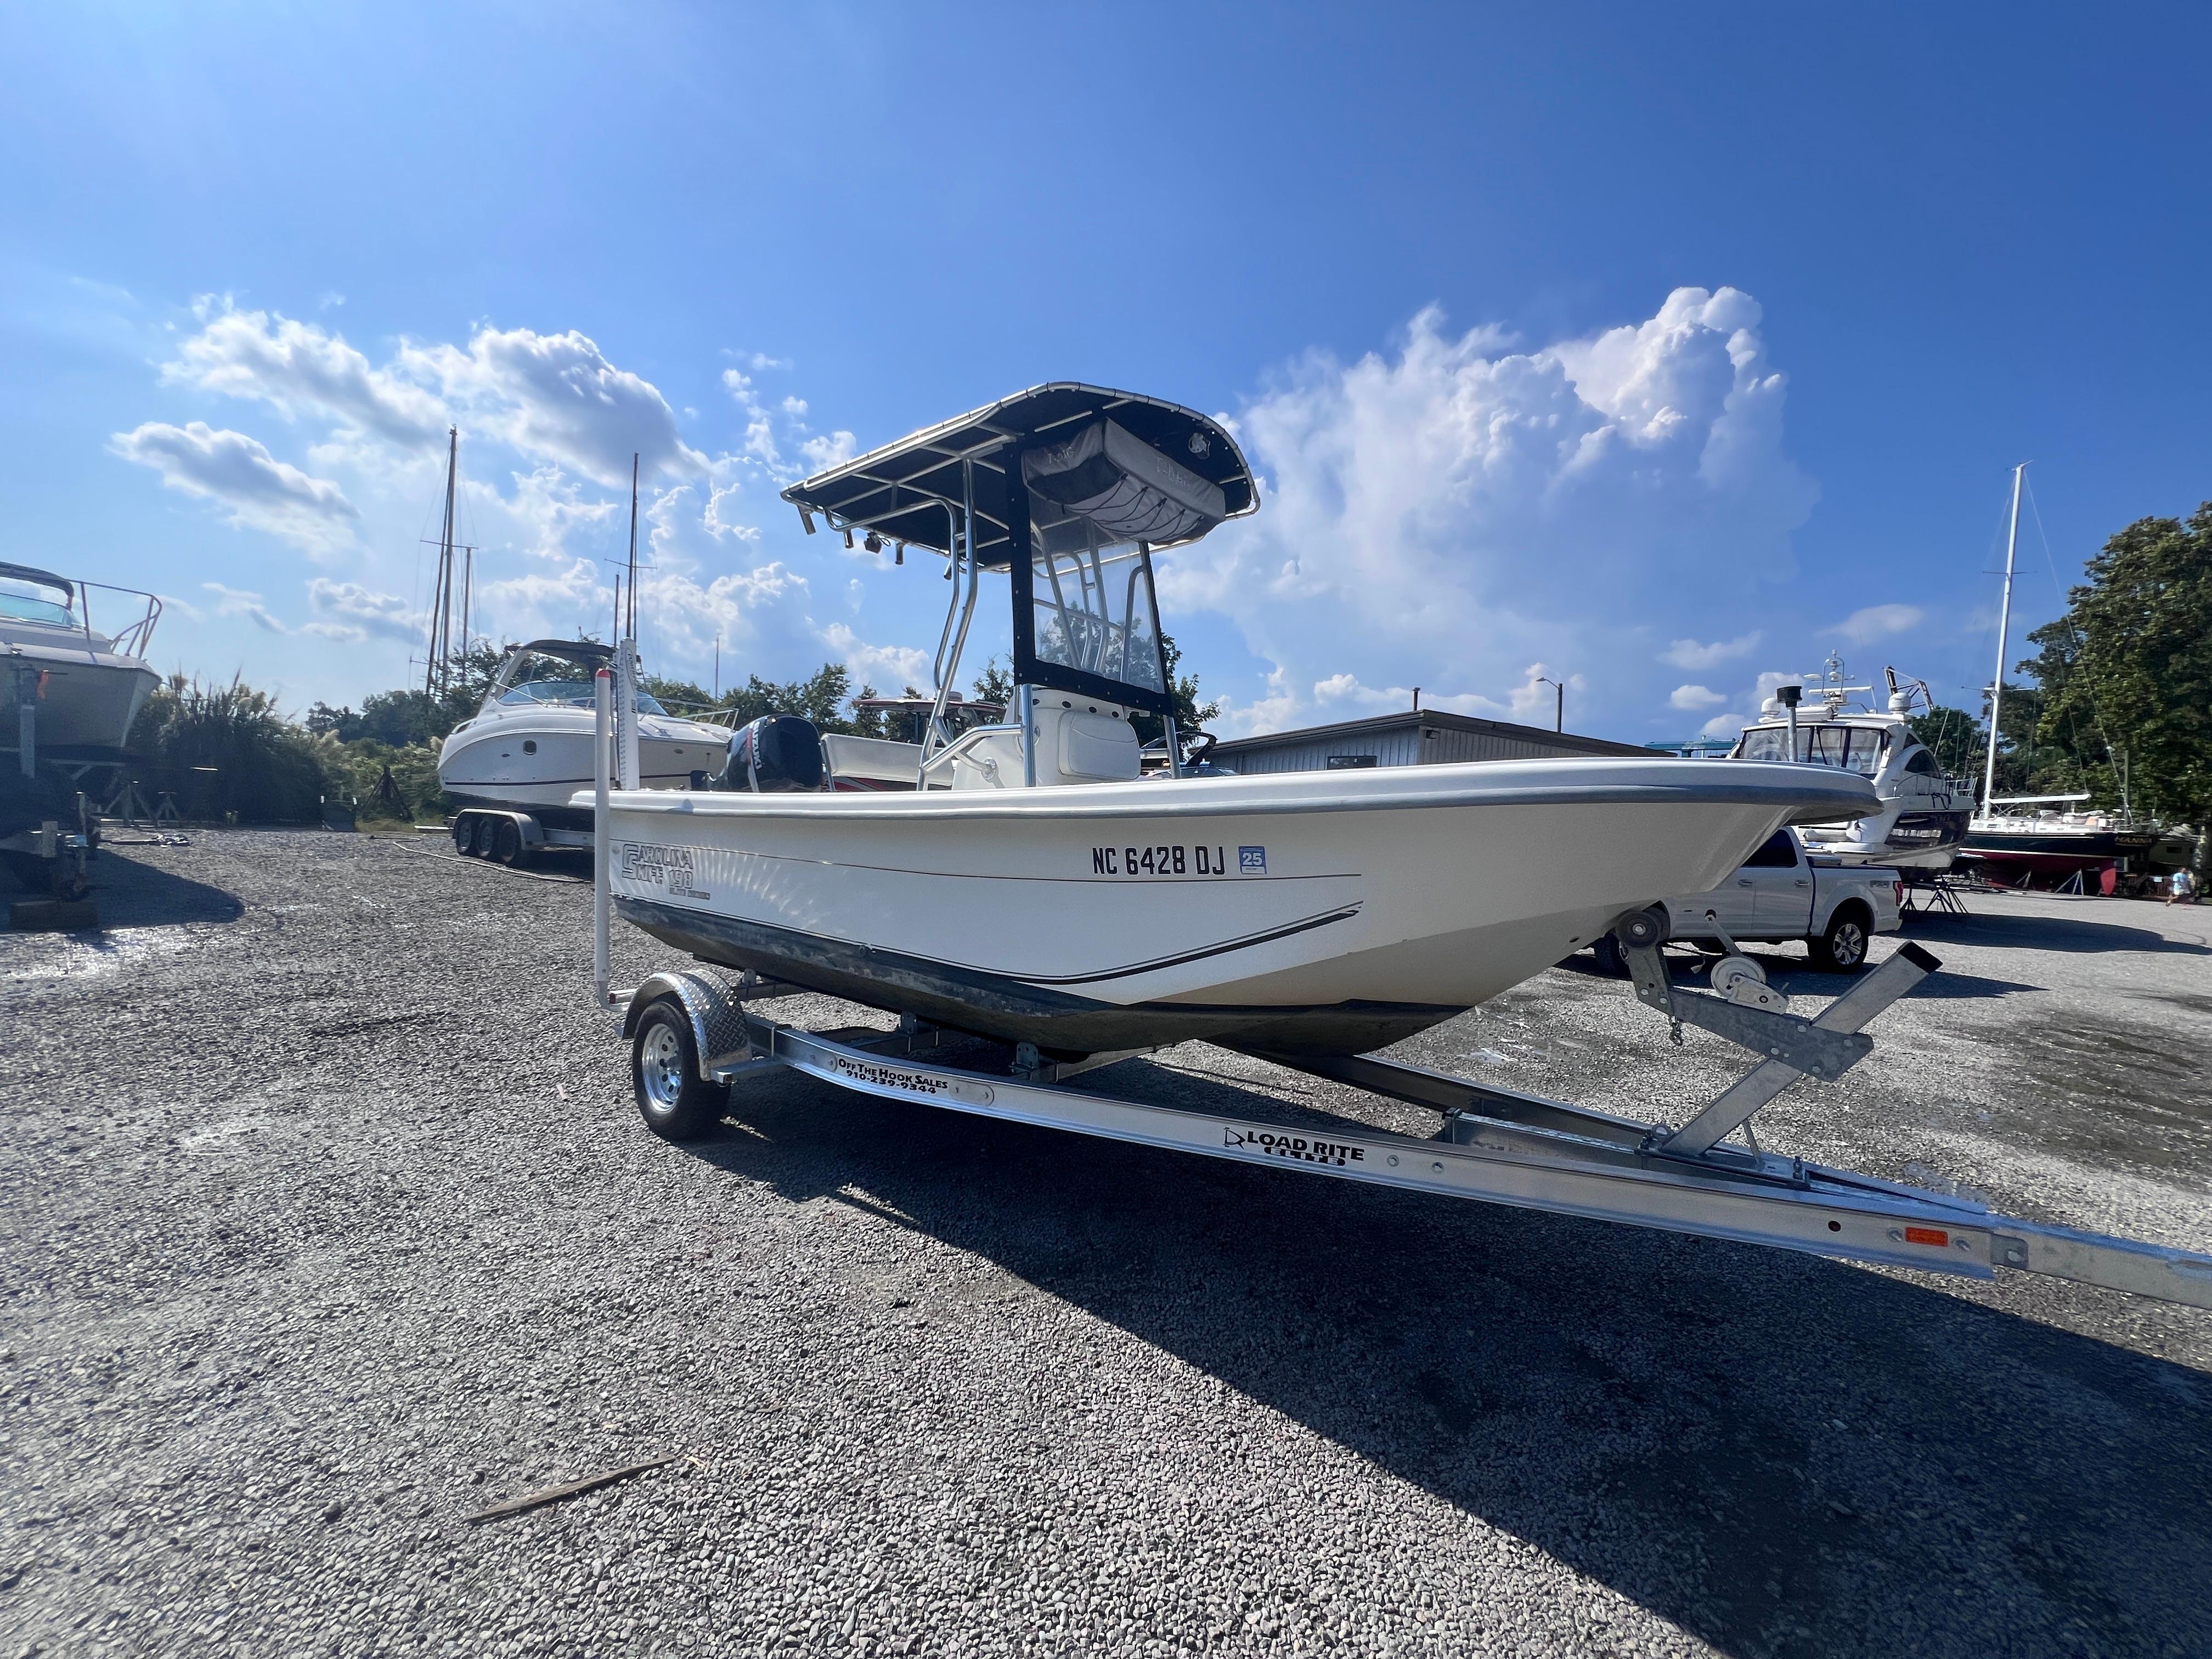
(775, 755)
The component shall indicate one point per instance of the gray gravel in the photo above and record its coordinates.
(330, 1222)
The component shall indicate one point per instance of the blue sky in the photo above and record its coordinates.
(1663, 351)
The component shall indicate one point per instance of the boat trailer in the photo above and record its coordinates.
(696, 1032)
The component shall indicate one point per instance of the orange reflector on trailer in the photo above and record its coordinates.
(1926, 1235)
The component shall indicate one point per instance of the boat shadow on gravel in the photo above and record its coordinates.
(1781, 1455)
(130, 893)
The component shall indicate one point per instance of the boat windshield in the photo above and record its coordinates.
(567, 693)
(1853, 748)
(20, 602)
(1095, 612)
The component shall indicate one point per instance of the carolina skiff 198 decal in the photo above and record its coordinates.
(874, 1073)
(661, 867)
(1268, 1143)
(1175, 862)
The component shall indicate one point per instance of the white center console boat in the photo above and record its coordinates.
(1035, 886)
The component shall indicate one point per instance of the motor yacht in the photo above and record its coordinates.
(84, 685)
(1037, 887)
(528, 748)
(1925, 810)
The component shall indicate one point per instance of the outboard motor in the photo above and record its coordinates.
(775, 754)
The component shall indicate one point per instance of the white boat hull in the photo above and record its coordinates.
(89, 701)
(537, 762)
(1328, 911)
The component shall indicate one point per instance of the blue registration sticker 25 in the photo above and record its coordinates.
(1252, 860)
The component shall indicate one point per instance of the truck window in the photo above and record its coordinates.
(1780, 852)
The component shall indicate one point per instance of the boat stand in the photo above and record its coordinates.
(1494, 1144)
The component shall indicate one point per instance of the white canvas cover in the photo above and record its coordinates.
(1123, 485)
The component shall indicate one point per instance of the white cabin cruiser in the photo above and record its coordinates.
(528, 748)
(1923, 810)
(1036, 887)
(86, 687)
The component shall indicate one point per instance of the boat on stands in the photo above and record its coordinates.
(80, 686)
(1037, 887)
(1925, 810)
(2054, 835)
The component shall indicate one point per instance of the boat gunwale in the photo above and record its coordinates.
(1270, 795)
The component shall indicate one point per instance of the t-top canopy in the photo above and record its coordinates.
(1140, 469)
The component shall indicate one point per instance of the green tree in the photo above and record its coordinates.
(1190, 714)
(2126, 674)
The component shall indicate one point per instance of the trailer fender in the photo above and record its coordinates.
(718, 1027)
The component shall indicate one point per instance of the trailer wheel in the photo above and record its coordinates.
(506, 842)
(664, 1068)
(465, 830)
(1843, 948)
(480, 837)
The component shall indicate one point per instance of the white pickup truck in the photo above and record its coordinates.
(1780, 893)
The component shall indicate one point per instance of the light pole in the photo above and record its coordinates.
(1559, 702)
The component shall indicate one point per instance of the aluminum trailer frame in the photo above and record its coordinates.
(1494, 1144)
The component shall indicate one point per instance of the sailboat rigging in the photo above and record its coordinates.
(441, 656)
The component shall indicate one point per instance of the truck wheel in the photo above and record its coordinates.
(665, 1066)
(1843, 948)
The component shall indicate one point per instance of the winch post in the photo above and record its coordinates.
(1767, 1079)
(1815, 1047)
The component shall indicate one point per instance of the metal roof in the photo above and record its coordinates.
(1438, 719)
(911, 491)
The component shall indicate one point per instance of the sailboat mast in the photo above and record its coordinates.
(445, 557)
(632, 633)
(2004, 624)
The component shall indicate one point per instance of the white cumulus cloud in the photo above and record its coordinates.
(555, 396)
(1450, 511)
(1688, 654)
(359, 611)
(1695, 698)
(298, 367)
(1880, 621)
(260, 491)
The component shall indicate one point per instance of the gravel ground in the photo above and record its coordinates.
(329, 1222)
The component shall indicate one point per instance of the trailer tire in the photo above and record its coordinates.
(480, 837)
(1610, 962)
(465, 830)
(1842, 947)
(676, 1103)
(506, 842)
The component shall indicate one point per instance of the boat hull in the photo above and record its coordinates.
(2059, 853)
(1331, 912)
(90, 698)
(490, 765)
